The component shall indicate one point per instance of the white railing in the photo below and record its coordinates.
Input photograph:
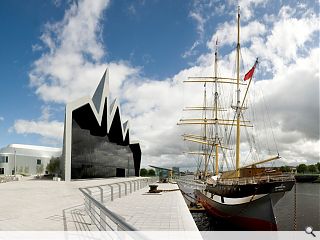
(9, 178)
(95, 198)
(112, 191)
(103, 218)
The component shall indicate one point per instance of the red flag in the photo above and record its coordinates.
(251, 71)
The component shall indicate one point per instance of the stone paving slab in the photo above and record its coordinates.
(166, 211)
(46, 205)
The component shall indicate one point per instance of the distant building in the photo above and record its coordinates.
(26, 159)
(176, 171)
(97, 143)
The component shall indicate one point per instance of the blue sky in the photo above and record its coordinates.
(55, 51)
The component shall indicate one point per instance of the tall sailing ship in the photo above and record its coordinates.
(246, 194)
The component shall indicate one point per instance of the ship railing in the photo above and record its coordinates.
(256, 179)
(191, 183)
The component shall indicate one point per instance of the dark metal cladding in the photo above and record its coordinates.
(100, 142)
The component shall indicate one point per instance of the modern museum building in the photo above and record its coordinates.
(96, 142)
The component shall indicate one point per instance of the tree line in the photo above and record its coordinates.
(313, 168)
(147, 172)
(303, 168)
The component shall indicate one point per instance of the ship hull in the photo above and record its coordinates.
(249, 213)
(244, 190)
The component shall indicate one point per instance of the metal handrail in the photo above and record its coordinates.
(120, 182)
(111, 215)
(116, 189)
(99, 217)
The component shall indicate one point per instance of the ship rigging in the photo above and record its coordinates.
(245, 194)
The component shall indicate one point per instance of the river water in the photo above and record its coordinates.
(307, 211)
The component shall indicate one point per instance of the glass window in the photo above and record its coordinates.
(3, 159)
(1, 170)
(38, 161)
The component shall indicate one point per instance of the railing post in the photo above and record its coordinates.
(119, 190)
(103, 220)
(125, 188)
(89, 205)
(101, 194)
(99, 217)
(130, 187)
(111, 187)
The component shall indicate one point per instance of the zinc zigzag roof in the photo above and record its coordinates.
(97, 104)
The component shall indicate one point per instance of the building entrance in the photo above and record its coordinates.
(120, 172)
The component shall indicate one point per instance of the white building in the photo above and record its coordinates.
(26, 159)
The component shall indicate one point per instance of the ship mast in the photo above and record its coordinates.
(206, 160)
(216, 108)
(238, 109)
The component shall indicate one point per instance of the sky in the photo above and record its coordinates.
(53, 52)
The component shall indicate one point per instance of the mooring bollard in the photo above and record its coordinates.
(153, 188)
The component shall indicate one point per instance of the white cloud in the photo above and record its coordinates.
(227, 33)
(247, 7)
(48, 129)
(290, 34)
(56, 3)
(36, 47)
(297, 88)
(74, 54)
(1, 119)
(200, 21)
(71, 69)
(292, 93)
(191, 51)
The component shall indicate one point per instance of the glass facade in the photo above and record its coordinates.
(95, 156)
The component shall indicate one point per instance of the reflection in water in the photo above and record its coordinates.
(95, 156)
